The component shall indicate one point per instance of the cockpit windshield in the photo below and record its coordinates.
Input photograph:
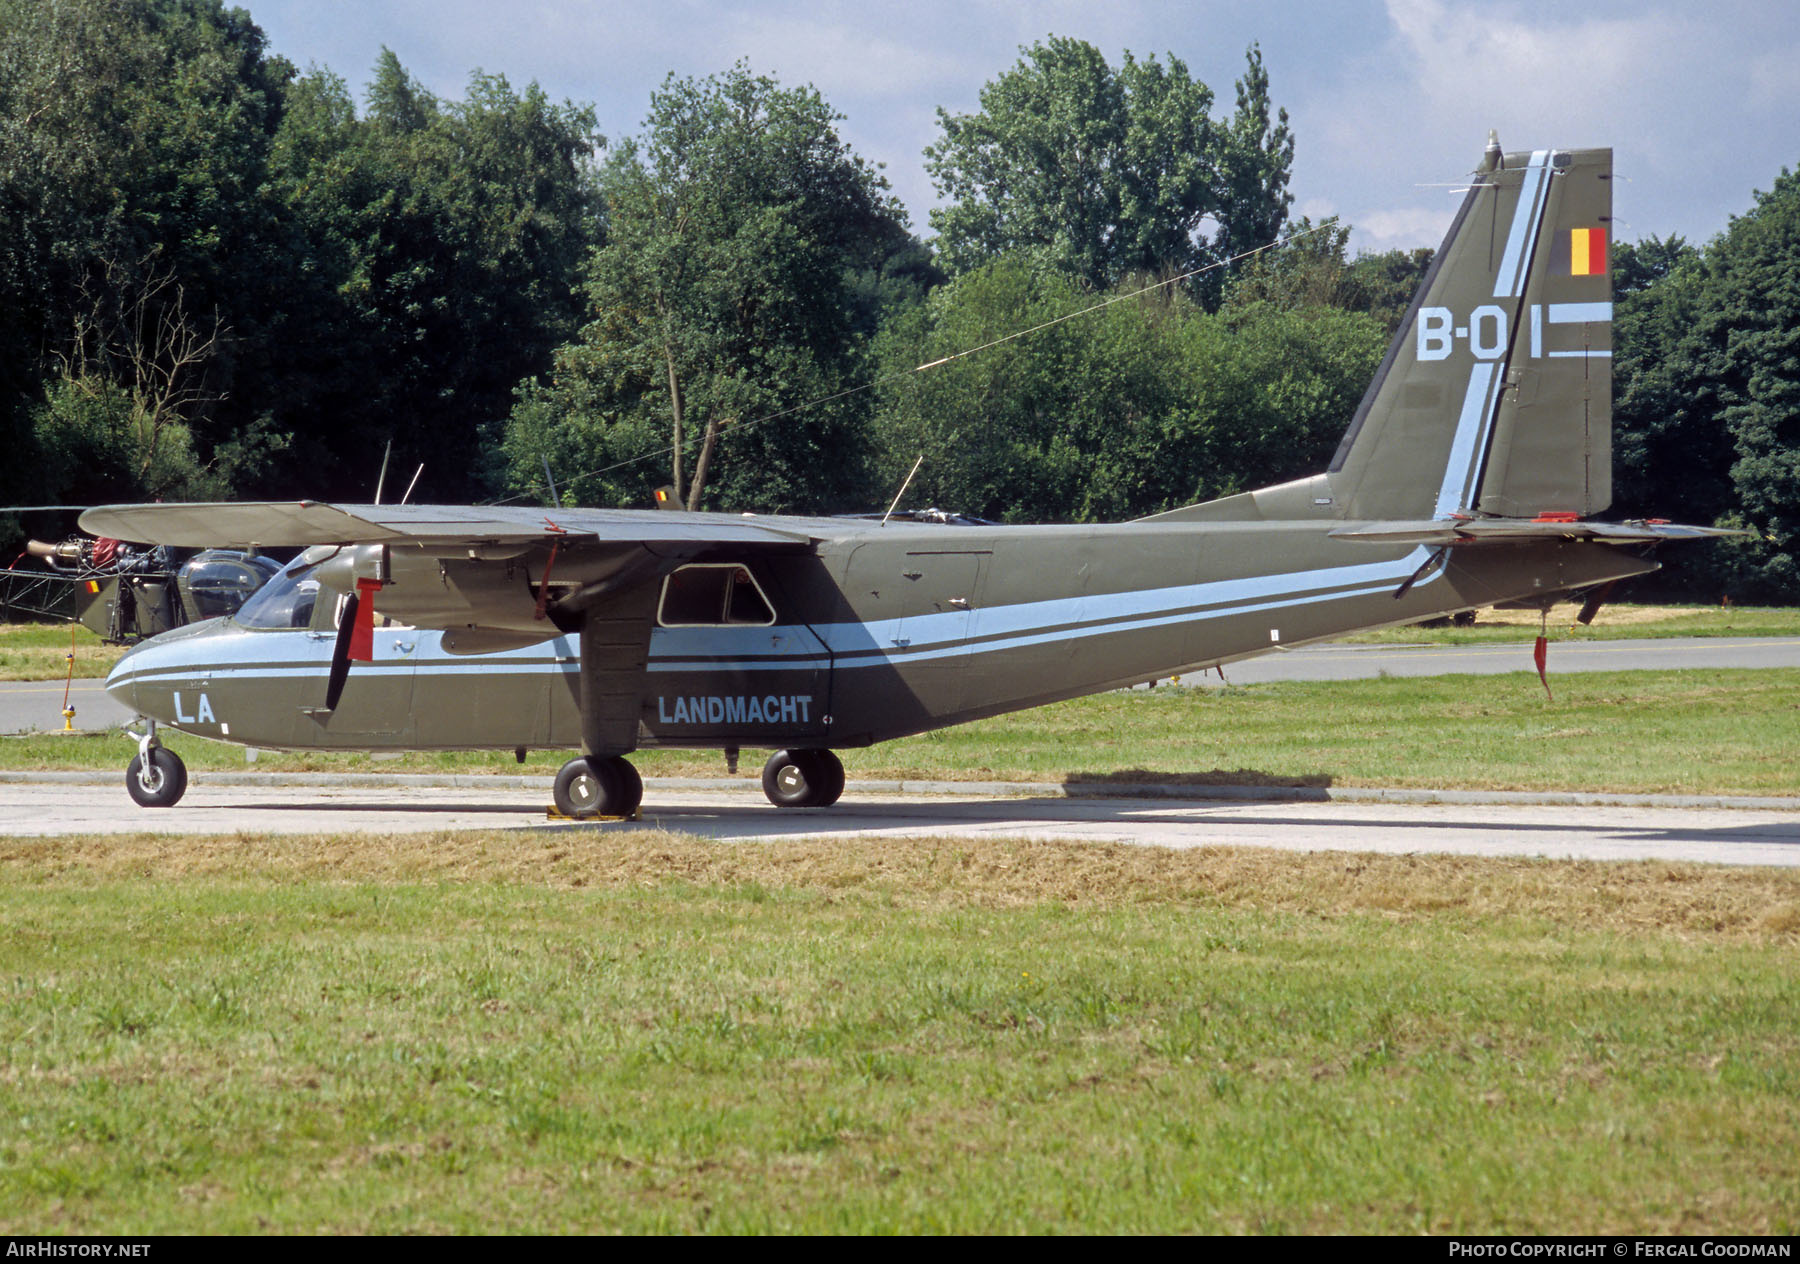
(286, 601)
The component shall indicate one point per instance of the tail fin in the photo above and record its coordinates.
(1496, 395)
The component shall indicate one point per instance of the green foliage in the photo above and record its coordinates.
(441, 241)
(747, 249)
(1309, 269)
(1753, 342)
(1312, 269)
(1146, 405)
(1707, 418)
(1101, 174)
(1638, 266)
(1671, 456)
(1383, 284)
(135, 240)
(190, 227)
(94, 439)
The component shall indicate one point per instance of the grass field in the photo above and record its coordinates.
(1687, 732)
(1613, 623)
(648, 1033)
(40, 651)
(645, 1032)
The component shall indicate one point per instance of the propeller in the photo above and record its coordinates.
(355, 638)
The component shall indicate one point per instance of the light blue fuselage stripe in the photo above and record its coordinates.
(1480, 399)
(1466, 448)
(1534, 190)
(1578, 313)
(247, 654)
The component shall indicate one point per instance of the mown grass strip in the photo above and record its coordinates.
(644, 1032)
(1685, 732)
(39, 651)
(1613, 623)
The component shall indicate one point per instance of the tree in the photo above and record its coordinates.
(1671, 455)
(1383, 284)
(445, 241)
(1254, 160)
(1101, 174)
(1146, 404)
(166, 183)
(133, 145)
(726, 293)
(1750, 343)
(1308, 269)
(1707, 388)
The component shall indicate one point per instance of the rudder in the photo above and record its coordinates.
(1495, 398)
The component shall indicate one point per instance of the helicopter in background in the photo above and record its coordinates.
(125, 594)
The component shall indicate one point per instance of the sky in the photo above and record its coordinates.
(1390, 100)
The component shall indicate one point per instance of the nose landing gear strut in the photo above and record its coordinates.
(156, 777)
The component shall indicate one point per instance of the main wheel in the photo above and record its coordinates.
(160, 783)
(631, 786)
(598, 787)
(803, 778)
(832, 778)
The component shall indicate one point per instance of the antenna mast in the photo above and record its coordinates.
(903, 487)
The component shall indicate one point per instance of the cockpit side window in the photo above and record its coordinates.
(293, 599)
(711, 594)
(286, 601)
(342, 603)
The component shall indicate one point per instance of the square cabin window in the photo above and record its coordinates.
(709, 595)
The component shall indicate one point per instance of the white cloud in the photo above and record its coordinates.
(1402, 227)
(1389, 98)
(1697, 104)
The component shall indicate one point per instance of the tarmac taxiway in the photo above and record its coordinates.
(1733, 832)
(1592, 831)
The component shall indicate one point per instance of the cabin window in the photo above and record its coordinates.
(709, 594)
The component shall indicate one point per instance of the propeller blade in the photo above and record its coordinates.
(340, 651)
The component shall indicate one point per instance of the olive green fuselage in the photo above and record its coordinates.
(872, 632)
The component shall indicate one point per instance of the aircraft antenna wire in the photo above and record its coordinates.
(870, 385)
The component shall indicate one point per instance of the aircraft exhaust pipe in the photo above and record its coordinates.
(68, 553)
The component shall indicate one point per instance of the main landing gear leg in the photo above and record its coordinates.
(593, 785)
(156, 777)
(803, 778)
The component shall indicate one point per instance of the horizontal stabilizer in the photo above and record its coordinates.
(1522, 531)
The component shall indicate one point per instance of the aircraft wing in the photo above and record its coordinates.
(1520, 531)
(277, 524)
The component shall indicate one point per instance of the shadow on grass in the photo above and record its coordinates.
(1216, 777)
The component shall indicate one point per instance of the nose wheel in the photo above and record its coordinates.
(155, 777)
(803, 778)
(589, 786)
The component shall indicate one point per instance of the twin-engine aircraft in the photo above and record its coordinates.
(1468, 477)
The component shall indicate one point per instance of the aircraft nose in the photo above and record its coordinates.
(121, 681)
(141, 679)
